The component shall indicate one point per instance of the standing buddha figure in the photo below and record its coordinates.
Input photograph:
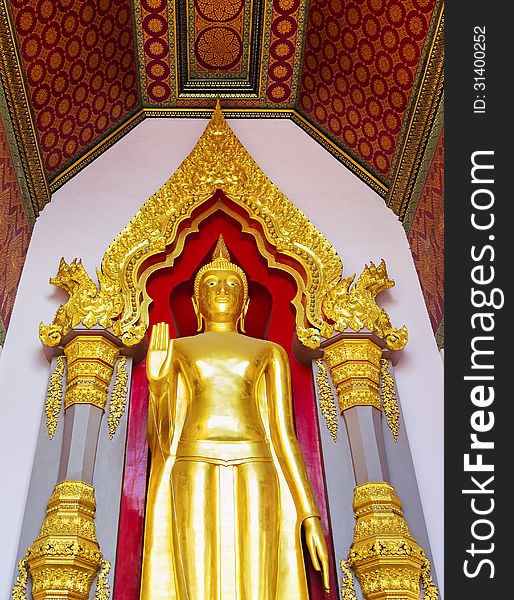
(228, 496)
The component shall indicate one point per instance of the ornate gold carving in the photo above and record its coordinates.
(219, 161)
(354, 368)
(308, 336)
(103, 590)
(385, 557)
(347, 584)
(19, 591)
(118, 399)
(389, 400)
(356, 308)
(326, 399)
(54, 397)
(91, 360)
(429, 587)
(86, 304)
(65, 558)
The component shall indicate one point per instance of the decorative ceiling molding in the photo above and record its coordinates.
(21, 118)
(439, 335)
(2, 333)
(235, 28)
(419, 121)
(248, 51)
(89, 155)
(263, 82)
(339, 153)
(230, 113)
(5, 121)
(430, 148)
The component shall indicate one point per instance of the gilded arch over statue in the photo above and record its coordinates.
(324, 302)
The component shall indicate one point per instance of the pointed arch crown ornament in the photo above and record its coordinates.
(325, 303)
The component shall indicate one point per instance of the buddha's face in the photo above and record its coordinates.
(221, 296)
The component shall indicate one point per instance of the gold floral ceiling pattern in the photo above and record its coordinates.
(363, 78)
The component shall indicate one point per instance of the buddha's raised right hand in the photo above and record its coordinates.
(158, 358)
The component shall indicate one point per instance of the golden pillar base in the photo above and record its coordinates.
(386, 559)
(65, 558)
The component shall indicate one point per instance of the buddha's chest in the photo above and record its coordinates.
(217, 364)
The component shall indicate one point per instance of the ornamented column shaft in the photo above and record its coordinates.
(386, 559)
(65, 558)
(91, 358)
(354, 366)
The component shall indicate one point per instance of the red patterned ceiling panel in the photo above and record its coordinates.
(283, 50)
(156, 55)
(79, 62)
(248, 52)
(219, 33)
(426, 237)
(359, 68)
(14, 230)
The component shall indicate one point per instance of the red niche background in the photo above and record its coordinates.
(80, 68)
(270, 316)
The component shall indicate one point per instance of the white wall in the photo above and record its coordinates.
(88, 211)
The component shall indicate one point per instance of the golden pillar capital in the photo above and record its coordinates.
(65, 558)
(90, 364)
(354, 365)
(387, 560)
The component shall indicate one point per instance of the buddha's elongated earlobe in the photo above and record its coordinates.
(199, 316)
(241, 318)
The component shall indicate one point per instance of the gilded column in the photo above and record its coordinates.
(65, 558)
(386, 559)
(90, 358)
(86, 337)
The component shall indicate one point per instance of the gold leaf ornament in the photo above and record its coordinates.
(429, 587)
(389, 399)
(326, 399)
(118, 400)
(54, 395)
(19, 591)
(103, 590)
(347, 582)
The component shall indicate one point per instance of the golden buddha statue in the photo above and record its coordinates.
(228, 494)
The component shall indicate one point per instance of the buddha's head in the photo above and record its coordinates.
(221, 292)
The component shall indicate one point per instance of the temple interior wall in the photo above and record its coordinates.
(88, 211)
